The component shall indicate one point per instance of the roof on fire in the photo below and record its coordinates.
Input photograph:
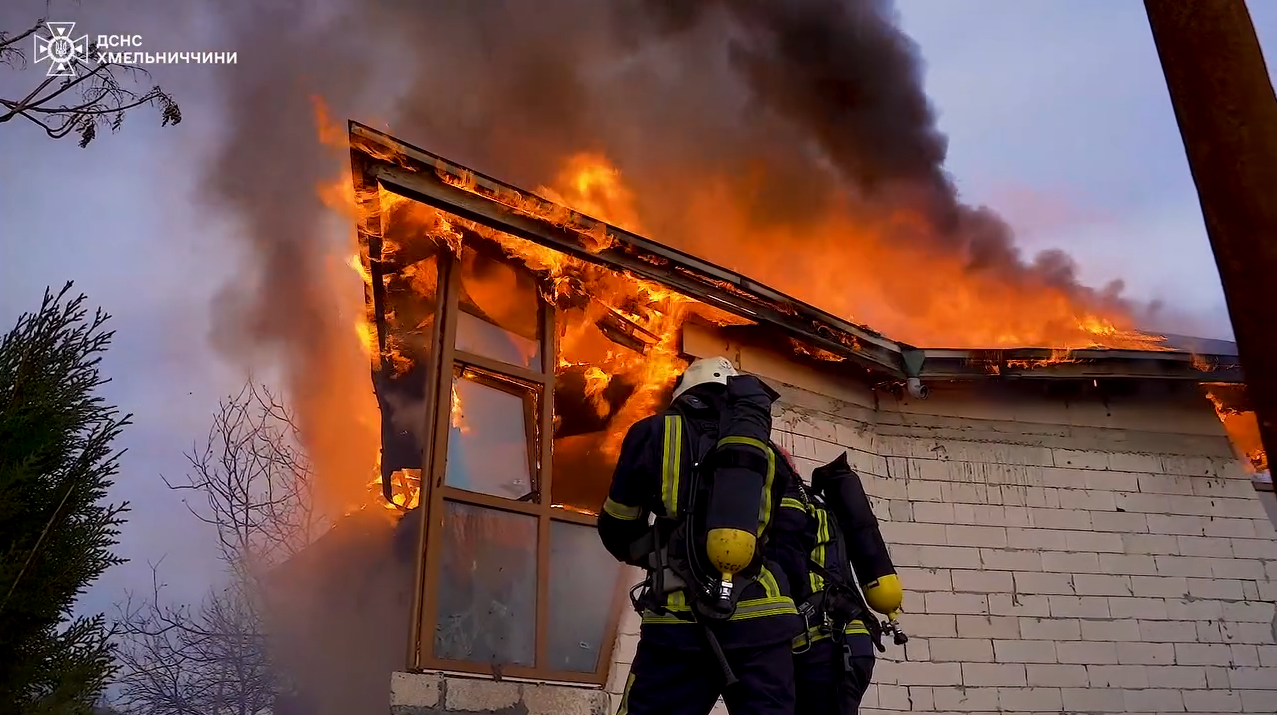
(418, 174)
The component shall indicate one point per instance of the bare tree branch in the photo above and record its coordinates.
(100, 95)
(254, 482)
(183, 661)
(251, 482)
(9, 54)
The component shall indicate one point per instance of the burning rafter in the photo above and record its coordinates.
(379, 159)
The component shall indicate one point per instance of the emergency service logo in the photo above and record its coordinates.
(61, 50)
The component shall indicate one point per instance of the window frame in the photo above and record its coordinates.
(434, 492)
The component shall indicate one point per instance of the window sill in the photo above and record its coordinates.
(413, 693)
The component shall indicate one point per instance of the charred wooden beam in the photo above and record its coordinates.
(1227, 113)
(803, 323)
(434, 179)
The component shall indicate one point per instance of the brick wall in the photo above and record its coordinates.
(440, 694)
(1051, 567)
(1058, 556)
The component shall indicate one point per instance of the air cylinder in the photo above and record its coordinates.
(740, 489)
(845, 497)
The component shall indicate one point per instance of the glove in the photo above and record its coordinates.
(748, 387)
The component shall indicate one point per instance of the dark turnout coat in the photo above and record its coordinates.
(655, 476)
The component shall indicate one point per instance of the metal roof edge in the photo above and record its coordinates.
(1037, 363)
(427, 177)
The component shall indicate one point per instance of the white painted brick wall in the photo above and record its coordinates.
(1051, 568)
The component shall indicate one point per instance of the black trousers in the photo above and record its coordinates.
(831, 678)
(667, 681)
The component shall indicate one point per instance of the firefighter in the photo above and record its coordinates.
(823, 543)
(717, 617)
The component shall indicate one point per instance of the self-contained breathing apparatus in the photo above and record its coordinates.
(709, 550)
(837, 488)
(838, 603)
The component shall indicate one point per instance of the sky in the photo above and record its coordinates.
(1056, 112)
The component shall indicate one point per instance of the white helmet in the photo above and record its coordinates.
(703, 372)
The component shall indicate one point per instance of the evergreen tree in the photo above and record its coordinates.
(56, 533)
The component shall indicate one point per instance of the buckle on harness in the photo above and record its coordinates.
(808, 609)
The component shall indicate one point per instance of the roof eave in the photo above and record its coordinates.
(418, 174)
(1037, 363)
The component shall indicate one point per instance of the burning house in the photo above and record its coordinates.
(1074, 528)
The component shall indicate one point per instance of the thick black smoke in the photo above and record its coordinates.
(849, 81)
(841, 71)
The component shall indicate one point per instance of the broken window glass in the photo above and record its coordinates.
(582, 579)
(500, 316)
(487, 586)
(489, 445)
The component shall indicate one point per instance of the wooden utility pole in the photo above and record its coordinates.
(1227, 115)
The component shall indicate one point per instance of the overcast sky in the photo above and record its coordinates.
(1056, 111)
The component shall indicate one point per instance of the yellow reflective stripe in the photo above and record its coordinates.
(856, 628)
(625, 695)
(677, 601)
(765, 510)
(772, 603)
(760, 607)
(653, 619)
(823, 537)
(617, 510)
(818, 633)
(771, 589)
(746, 441)
(745, 610)
(671, 464)
(792, 503)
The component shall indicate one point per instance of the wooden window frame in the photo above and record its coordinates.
(434, 492)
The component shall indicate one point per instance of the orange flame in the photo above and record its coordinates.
(405, 485)
(1242, 427)
(1058, 357)
(590, 184)
(854, 265)
(596, 381)
(879, 281)
(457, 414)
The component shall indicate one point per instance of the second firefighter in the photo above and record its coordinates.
(827, 541)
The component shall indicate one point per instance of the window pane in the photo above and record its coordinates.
(489, 450)
(500, 313)
(487, 586)
(582, 583)
(592, 384)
